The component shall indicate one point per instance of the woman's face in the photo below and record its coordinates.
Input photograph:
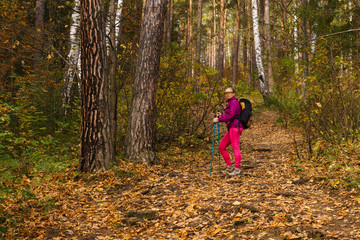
(229, 93)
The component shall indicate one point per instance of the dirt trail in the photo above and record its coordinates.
(181, 201)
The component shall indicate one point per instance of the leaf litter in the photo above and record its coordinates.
(179, 200)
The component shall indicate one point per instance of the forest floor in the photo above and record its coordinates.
(179, 200)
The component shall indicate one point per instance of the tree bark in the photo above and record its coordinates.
(259, 63)
(189, 42)
(214, 37)
(269, 73)
(198, 44)
(169, 21)
(284, 36)
(236, 44)
(246, 35)
(139, 141)
(112, 89)
(221, 39)
(296, 49)
(96, 151)
(39, 27)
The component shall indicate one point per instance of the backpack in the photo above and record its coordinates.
(245, 116)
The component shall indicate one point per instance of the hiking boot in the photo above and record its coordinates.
(235, 172)
(228, 169)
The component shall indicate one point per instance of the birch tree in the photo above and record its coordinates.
(96, 150)
(139, 142)
(73, 59)
(258, 56)
(296, 50)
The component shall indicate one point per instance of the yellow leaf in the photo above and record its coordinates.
(216, 232)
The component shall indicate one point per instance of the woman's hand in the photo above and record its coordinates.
(215, 120)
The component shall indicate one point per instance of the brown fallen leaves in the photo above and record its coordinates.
(178, 200)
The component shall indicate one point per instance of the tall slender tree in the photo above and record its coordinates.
(139, 142)
(112, 66)
(267, 33)
(222, 32)
(39, 27)
(236, 43)
(96, 150)
(214, 36)
(258, 55)
(73, 59)
(296, 49)
(198, 42)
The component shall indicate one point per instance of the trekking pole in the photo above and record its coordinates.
(212, 147)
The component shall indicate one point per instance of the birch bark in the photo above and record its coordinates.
(296, 50)
(73, 71)
(258, 55)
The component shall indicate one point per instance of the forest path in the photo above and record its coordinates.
(181, 200)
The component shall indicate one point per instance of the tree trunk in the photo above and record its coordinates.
(73, 71)
(169, 21)
(198, 44)
(296, 50)
(284, 35)
(269, 73)
(96, 146)
(112, 89)
(39, 27)
(189, 42)
(246, 35)
(214, 37)
(118, 22)
(221, 39)
(259, 63)
(236, 44)
(139, 141)
(306, 35)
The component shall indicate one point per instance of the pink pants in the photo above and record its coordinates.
(231, 137)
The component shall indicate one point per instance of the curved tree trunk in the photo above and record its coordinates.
(139, 141)
(96, 146)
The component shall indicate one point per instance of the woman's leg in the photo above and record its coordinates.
(234, 135)
(222, 147)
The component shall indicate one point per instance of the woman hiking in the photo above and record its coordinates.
(232, 136)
